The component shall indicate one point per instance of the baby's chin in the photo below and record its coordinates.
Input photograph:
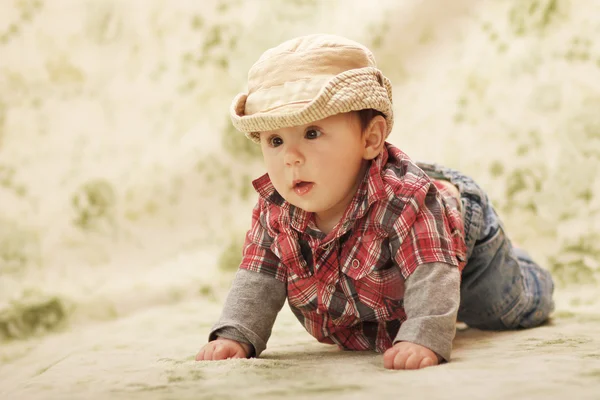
(299, 205)
(304, 206)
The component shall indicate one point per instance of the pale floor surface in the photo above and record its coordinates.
(150, 355)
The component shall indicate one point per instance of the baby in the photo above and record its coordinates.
(372, 250)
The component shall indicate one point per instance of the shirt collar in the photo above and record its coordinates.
(369, 192)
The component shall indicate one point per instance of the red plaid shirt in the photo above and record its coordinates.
(347, 287)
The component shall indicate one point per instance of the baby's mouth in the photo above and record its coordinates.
(298, 182)
(302, 187)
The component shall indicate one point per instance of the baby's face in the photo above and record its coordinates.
(317, 167)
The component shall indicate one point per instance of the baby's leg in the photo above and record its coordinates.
(503, 288)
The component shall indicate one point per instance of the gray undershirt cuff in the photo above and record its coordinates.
(431, 301)
(250, 310)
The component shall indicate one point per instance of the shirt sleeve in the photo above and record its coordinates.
(431, 301)
(250, 310)
(257, 255)
(423, 232)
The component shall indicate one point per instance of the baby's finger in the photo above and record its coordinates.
(400, 360)
(208, 351)
(241, 353)
(200, 355)
(221, 352)
(413, 361)
(388, 357)
(426, 362)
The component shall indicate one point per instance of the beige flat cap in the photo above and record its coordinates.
(307, 79)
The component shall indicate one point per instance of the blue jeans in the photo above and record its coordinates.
(502, 287)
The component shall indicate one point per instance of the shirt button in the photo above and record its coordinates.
(330, 288)
(326, 246)
(355, 263)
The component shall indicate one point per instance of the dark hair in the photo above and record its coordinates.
(366, 116)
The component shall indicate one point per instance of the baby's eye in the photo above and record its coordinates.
(275, 141)
(313, 133)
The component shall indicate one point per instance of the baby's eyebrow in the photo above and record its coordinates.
(316, 127)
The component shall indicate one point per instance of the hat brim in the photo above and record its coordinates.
(352, 90)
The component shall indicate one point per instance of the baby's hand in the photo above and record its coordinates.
(407, 355)
(222, 349)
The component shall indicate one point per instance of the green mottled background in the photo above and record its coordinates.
(123, 185)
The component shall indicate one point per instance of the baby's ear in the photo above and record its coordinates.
(374, 137)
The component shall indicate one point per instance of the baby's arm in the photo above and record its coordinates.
(248, 316)
(431, 301)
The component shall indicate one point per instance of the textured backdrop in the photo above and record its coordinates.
(122, 183)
